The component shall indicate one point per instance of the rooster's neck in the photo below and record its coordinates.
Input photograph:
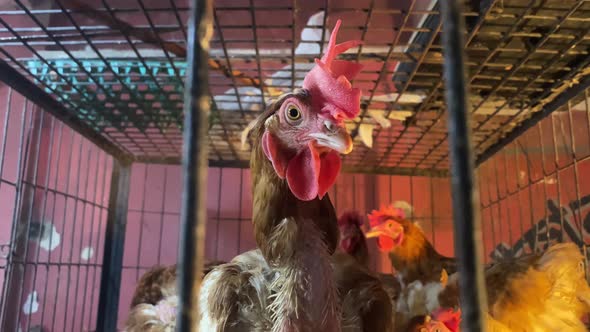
(274, 202)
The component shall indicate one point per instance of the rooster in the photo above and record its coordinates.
(286, 284)
(352, 238)
(411, 254)
(154, 302)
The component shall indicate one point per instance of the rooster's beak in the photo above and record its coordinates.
(391, 230)
(334, 137)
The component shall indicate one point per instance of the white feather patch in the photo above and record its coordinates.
(50, 238)
(366, 134)
(31, 305)
(87, 253)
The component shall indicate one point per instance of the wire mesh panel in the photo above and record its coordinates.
(119, 67)
(535, 191)
(55, 195)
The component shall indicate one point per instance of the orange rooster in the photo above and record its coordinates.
(287, 284)
(352, 238)
(411, 254)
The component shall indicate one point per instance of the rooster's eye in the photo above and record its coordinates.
(293, 113)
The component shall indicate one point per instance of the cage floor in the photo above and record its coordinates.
(118, 67)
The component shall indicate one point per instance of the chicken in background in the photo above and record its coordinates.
(444, 320)
(412, 256)
(366, 303)
(352, 238)
(154, 301)
(536, 292)
(545, 291)
(287, 283)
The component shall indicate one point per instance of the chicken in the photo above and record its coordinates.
(411, 254)
(154, 301)
(160, 317)
(448, 320)
(366, 304)
(286, 284)
(545, 291)
(352, 238)
(419, 269)
(537, 292)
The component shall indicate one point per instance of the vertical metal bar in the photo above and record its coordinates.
(142, 216)
(114, 242)
(467, 225)
(194, 164)
(218, 212)
(162, 213)
(12, 272)
(100, 223)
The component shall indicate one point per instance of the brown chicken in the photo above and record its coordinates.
(352, 238)
(366, 303)
(154, 302)
(412, 256)
(287, 284)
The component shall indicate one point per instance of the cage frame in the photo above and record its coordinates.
(194, 161)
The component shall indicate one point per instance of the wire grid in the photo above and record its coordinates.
(533, 192)
(53, 255)
(119, 67)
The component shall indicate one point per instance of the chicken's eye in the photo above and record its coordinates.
(293, 113)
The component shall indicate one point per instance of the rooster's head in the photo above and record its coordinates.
(351, 235)
(389, 225)
(305, 133)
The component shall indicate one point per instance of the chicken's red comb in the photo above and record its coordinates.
(351, 218)
(377, 217)
(449, 317)
(329, 81)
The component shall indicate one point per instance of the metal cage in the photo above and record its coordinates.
(102, 113)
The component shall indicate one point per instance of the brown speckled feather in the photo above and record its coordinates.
(367, 306)
(160, 281)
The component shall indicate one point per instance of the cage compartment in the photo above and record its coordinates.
(115, 73)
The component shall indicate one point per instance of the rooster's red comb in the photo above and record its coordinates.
(449, 317)
(377, 217)
(329, 81)
(351, 218)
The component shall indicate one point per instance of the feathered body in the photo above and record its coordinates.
(419, 269)
(352, 238)
(286, 285)
(154, 301)
(366, 303)
(538, 292)
(411, 254)
(154, 283)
